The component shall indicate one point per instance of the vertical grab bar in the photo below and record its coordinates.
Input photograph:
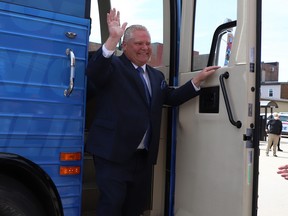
(237, 124)
(70, 88)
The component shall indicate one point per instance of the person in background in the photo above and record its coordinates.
(124, 136)
(278, 145)
(274, 129)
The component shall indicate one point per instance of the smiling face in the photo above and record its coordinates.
(137, 46)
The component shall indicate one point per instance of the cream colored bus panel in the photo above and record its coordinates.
(214, 165)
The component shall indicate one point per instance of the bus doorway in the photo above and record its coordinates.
(213, 168)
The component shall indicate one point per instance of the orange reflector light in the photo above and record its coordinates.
(70, 156)
(69, 170)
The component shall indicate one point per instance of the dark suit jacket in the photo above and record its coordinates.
(122, 113)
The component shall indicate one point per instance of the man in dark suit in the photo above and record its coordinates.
(124, 136)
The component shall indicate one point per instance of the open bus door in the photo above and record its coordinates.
(213, 169)
(216, 158)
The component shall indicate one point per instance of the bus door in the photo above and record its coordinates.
(217, 145)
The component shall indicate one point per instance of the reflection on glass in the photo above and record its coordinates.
(206, 22)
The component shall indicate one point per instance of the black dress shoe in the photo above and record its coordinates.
(280, 150)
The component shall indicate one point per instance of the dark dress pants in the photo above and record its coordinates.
(125, 189)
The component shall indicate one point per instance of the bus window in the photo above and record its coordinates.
(207, 21)
(95, 34)
(141, 12)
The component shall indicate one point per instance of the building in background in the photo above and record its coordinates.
(270, 72)
(271, 89)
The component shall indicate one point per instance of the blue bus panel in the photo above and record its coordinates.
(37, 120)
(68, 7)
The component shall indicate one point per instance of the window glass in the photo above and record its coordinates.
(210, 15)
(137, 12)
(270, 93)
(283, 117)
(141, 12)
(95, 35)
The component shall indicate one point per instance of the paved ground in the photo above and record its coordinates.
(273, 189)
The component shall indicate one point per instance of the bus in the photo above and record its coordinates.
(209, 147)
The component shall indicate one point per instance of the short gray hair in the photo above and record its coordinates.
(129, 31)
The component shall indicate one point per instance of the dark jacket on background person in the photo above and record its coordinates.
(274, 126)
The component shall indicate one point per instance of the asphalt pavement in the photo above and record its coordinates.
(273, 189)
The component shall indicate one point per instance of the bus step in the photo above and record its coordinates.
(90, 193)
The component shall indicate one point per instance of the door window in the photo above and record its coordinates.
(209, 16)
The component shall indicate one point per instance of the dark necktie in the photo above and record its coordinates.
(148, 96)
(141, 74)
